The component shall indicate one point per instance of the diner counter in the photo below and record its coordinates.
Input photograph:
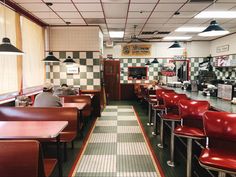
(216, 103)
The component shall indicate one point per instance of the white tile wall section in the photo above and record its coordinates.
(75, 38)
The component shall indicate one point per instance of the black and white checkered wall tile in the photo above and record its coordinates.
(89, 70)
(152, 72)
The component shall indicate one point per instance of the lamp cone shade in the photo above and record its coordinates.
(6, 48)
(176, 45)
(51, 58)
(214, 29)
(148, 63)
(154, 61)
(69, 60)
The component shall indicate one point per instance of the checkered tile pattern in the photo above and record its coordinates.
(152, 69)
(89, 70)
(117, 147)
(221, 74)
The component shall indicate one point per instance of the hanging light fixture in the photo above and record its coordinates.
(176, 45)
(6, 48)
(148, 63)
(214, 29)
(154, 61)
(68, 60)
(50, 58)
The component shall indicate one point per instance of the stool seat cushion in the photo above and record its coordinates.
(218, 158)
(186, 131)
(161, 107)
(152, 100)
(171, 117)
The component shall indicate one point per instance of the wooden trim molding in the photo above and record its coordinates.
(19, 57)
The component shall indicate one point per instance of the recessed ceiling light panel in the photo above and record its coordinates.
(171, 38)
(116, 34)
(216, 14)
(190, 29)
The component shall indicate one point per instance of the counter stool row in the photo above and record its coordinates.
(196, 121)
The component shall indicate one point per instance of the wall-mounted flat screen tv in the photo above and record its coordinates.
(137, 72)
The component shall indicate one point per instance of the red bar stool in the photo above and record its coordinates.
(151, 99)
(159, 108)
(171, 101)
(191, 112)
(219, 154)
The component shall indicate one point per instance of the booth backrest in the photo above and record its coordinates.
(41, 114)
(21, 158)
(78, 99)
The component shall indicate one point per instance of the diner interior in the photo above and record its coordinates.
(118, 88)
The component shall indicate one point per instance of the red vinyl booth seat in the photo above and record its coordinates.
(23, 158)
(87, 111)
(191, 111)
(220, 153)
(44, 114)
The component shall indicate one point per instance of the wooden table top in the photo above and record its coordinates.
(79, 106)
(31, 129)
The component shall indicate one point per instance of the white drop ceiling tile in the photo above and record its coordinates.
(194, 6)
(75, 21)
(232, 21)
(115, 10)
(171, 25)
(228, 25)
(117, 20)
(115, 25)
(141, 1)
(54, 21)
(221, 6)
(27, 1)
(92, 14)
(138, 15)
(152, 25)
(161, 14)
(136, 21)
(36, 7)
(69, 14)
(172, 1)
(115, 1)
(157, 20)
(141, 7)
(45, 14)
(184, 14)
(178, 20)
(89, 7)
(64, 7)
(198, 20)
(167, 7)
(228, 1)
(61, 1)
(86, 1)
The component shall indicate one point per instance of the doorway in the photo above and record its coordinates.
(112, 79)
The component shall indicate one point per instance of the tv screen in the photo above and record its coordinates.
(137, 72)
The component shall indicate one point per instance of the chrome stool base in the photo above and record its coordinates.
(170, 163)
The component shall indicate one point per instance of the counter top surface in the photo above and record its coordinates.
(216, 103)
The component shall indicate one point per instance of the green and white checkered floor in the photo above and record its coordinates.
(117, 147)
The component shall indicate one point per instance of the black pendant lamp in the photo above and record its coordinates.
(214, 29)
(6, 48)
(148, 63)
(176, 45)
(51, 58)
(69, 60)
(154, 61)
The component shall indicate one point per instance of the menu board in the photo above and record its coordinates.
(225, 61)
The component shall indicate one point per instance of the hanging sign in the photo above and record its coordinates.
(223, 48)
(72, 69)
(136, 50)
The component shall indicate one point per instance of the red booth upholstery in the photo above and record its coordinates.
(24, 158)
(220, 152)
(171, 101)
(191, 112)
